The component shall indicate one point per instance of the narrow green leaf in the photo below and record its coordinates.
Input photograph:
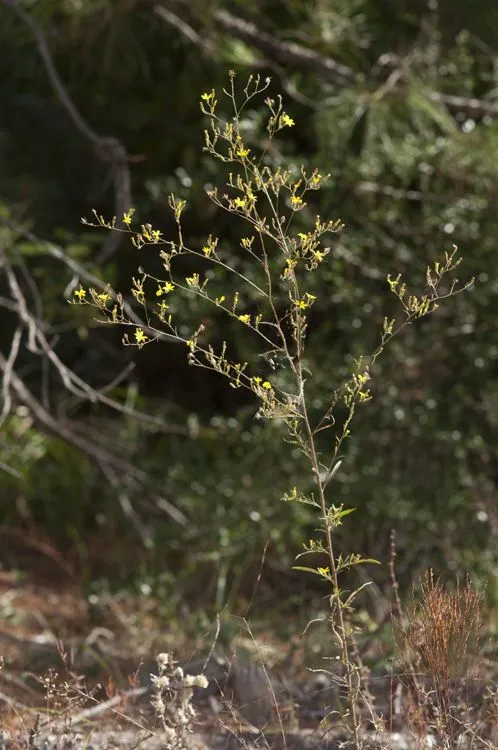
(309, 570)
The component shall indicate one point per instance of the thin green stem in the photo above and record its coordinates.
(336, 592)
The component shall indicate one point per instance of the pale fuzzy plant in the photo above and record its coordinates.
(172, 693)
(267, 200)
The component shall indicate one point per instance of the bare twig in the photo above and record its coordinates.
(184, 28)
(96, 453)
(283, 52)
(38, 344)
(303, 58)
(79, 272)
(108, 149)
(10, 361)
(61, 429)
(470, 105)
(100, 708)
(15, 704)
(398, 609)
(126, 504)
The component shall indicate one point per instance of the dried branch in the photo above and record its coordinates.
(38, 343)
(100, 456)
(9, 365)
(184, 28)
(118, 471)
(108, 149)
(60, 429)
(288, 53)
(303, 58)
(472, 106)
(121, 474)
(79, 271)
(366, 186)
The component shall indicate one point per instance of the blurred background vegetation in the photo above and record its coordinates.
(398, 100)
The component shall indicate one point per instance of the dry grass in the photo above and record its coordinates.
(251, 696)
(439, 645)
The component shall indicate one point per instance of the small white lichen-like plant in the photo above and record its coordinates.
(172, 693)
(266, 199)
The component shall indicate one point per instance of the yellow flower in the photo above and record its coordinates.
(139, 295)
(286, 121)
(256, 380)
(207, 97)
(193, 281)
(243, 152)
(239, 202)
(316, 179)
(267, 385)
(219, 300)
(80, 293)
(128, 216)
(165, 288)
(104, 297)
(210, 245)
(296, 201)
(324, 571)
(245, 319)
(140, 336)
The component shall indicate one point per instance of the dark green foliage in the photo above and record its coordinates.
(410, 175)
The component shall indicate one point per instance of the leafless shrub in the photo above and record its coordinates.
(438, 644)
